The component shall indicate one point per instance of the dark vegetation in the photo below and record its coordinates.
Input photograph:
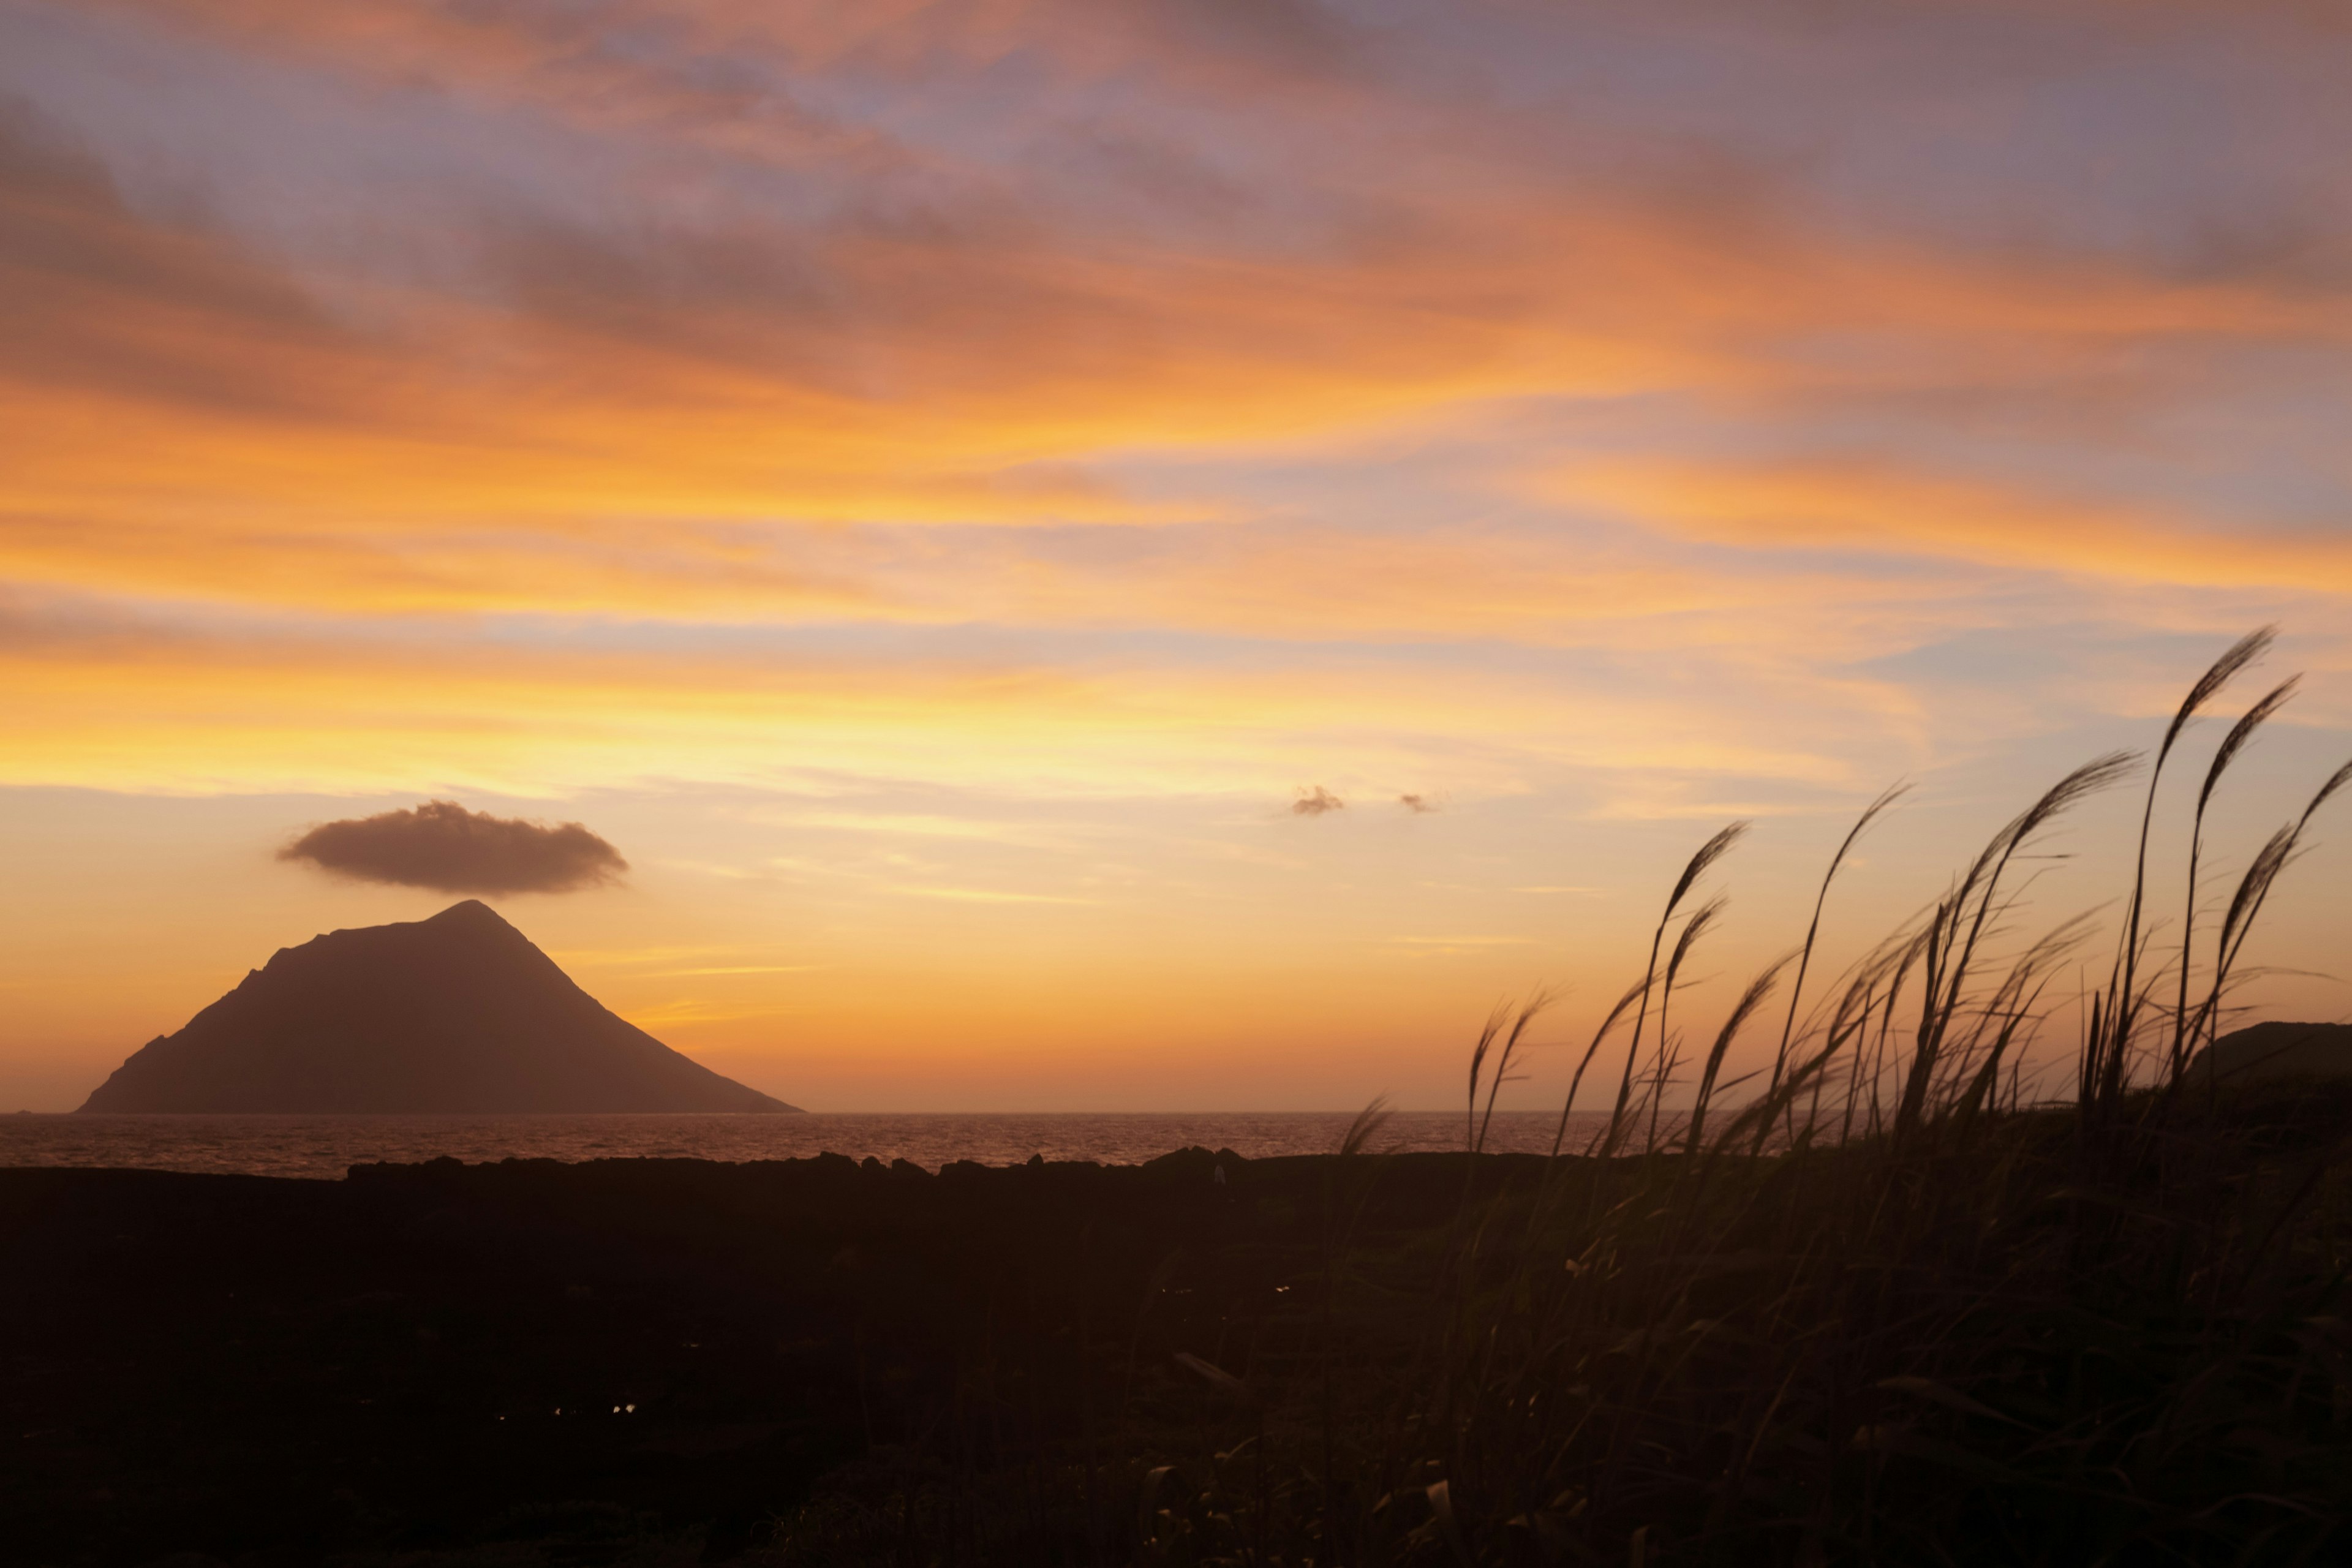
(1887, 1304)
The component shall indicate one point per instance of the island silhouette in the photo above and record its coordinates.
(459, 1013)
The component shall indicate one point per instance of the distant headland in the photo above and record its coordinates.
(457, 1013)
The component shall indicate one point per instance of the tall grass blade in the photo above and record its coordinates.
(2241, 733)
(1694, 930)
(1758, 989)
(2122, 1001)
(1886, 798)
(1714, 850)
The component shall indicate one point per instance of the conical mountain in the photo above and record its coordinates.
(455, 1013)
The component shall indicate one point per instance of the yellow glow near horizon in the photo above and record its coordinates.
(936, 485)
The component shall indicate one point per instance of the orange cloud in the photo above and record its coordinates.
(586, 387)
(114, 701)
(589, 474)
(1880, 508)
(698, 407)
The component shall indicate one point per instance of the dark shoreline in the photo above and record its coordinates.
(327, 1147)
(2034, 1336)
(279, 1370)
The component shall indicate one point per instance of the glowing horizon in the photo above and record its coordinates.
(934, 484)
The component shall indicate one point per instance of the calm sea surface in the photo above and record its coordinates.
(325, 1146)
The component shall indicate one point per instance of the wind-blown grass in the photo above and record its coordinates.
(1892, 1309)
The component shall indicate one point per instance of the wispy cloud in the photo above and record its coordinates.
(1881, 507)
(988, 896)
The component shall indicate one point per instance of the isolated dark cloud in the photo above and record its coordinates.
(442, 845)
(1416, 803)
(1317, 802)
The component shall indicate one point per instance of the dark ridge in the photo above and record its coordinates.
(2266, 1053)
(455, 1013)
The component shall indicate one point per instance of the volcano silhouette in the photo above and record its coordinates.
(458, 1014)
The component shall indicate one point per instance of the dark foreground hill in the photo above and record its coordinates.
(2266, 1053)
(455, 1013)
(628, 1362)
(2027, 1345)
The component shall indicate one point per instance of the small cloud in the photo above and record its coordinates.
(714, 869)
(693, 1011)
(442, 845)
(1317, 802)
(988, 896)
(1416, 803)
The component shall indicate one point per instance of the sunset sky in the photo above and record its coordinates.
(935, 486)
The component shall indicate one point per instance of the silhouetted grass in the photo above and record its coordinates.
(1890, 1310)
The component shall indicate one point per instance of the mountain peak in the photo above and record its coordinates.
(457, 1012)
(467, 910)
(469, 915)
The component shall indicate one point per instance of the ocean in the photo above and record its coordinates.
(324, 1147)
